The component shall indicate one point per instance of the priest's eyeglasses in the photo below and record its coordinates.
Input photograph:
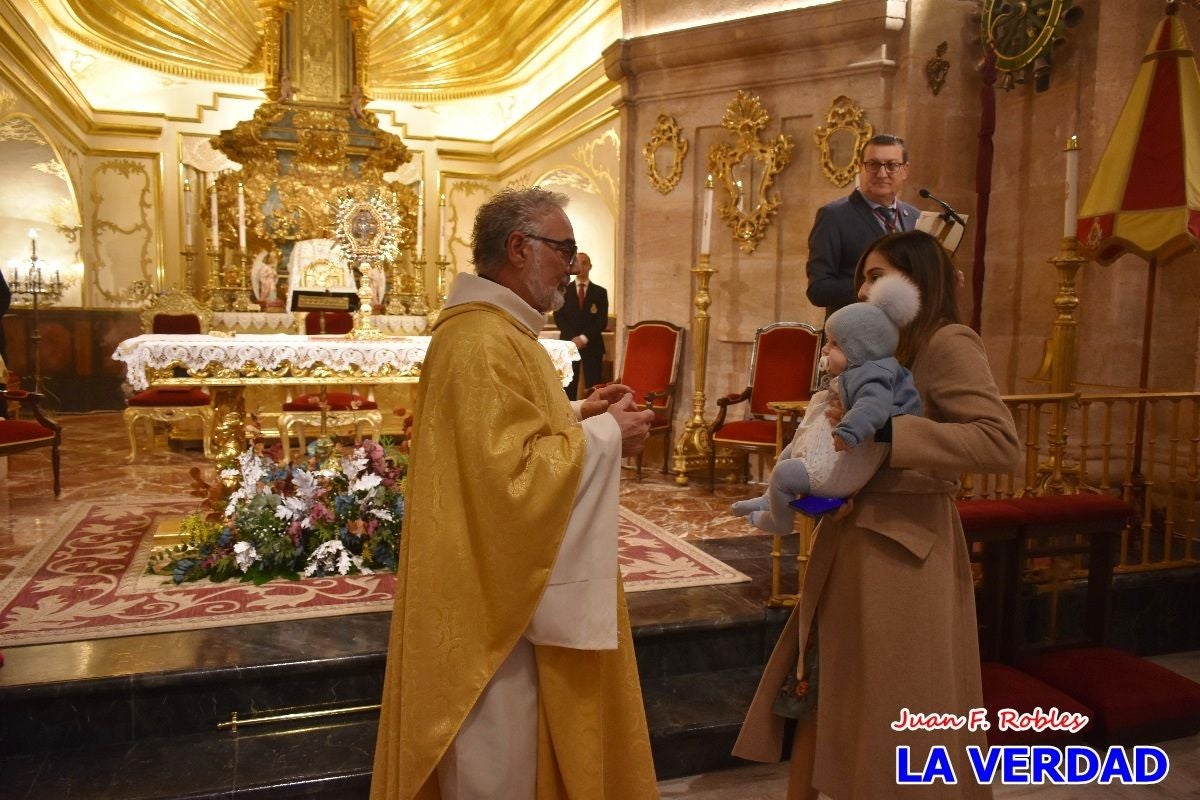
(872, 167)
(567, 247)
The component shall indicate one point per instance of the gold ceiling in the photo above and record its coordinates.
(419, 49)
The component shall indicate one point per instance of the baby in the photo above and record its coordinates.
(830, 461)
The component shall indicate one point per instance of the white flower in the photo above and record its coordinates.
(352, 467)
(382, 513)
(293, 507)
(305, 483)
(229, 474)
(245, 555)
(366, 483)
(332, 556)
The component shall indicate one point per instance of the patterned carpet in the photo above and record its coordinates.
(90, 580)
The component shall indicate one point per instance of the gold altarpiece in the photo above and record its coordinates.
(309, 145)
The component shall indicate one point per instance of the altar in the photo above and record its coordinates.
(253, 371)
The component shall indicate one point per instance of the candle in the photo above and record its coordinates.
(421, 217)
(212, 197)
(241, 218)
(187, 213)
(33, 237)
(706, 225)
(442, 228)
(1071, 216)
(739, 200)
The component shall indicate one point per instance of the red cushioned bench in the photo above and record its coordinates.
(1128, 699)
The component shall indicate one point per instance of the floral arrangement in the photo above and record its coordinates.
(337, 515)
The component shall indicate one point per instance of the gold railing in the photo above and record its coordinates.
(1141, 447)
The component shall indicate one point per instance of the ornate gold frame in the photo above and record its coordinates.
(745, 118)
(666, 133)
(843, 115)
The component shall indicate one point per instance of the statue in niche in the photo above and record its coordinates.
(356, 103)
(286, 92)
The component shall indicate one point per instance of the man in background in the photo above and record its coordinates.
(510, 670)
(582, 319)
(846, 227)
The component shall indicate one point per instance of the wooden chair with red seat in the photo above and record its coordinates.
(783, 367)
(172, 312)
(650, 367)
(20, 435)
(343, 409)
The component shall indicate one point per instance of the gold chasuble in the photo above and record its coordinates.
(496, 462)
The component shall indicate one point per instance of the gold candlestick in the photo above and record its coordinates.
(693, 447)
(241, 297)
(419, 306)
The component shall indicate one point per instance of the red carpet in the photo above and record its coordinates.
(89, 581)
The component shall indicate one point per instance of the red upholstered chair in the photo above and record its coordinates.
(345, 408)
(172, 312)
(650, 367)
(783, 367)
(19, 435)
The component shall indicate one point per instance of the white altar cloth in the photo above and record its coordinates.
(287, 322)
(227, 357)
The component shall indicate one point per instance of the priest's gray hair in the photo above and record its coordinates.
(510, 210)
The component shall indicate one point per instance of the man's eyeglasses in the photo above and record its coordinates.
(567, 247)
(872, 167)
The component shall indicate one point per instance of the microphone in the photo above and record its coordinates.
(950, 214)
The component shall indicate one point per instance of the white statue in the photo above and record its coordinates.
(264, 278)
(378, 280)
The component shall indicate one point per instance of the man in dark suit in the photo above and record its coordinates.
(582, 319)
(845, 227)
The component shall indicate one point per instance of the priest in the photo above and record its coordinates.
(510, 670)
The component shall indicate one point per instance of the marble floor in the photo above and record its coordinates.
(94, 467)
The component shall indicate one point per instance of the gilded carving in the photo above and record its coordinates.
(747, 168)
(841, 139)
(600, 158)
(666, 137)
(937, 68)
(107, 235)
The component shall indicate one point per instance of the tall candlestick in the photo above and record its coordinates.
(442, 228)
(187, 213)
(1071, 220)
(212, 197)
(706, 225)
(420, 217)
(241, 218)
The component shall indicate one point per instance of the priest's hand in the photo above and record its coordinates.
(634, 424)
(602, 397)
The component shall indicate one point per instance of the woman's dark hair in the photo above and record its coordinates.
(923, 259)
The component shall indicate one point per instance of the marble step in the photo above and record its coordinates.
(693, 721)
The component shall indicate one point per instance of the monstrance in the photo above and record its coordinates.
(366, 232)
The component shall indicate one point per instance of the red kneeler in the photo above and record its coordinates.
(1128, 700)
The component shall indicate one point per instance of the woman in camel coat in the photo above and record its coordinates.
(889, 584)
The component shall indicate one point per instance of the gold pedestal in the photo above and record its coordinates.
(364, 325)
(693, 448)
(1056, 475)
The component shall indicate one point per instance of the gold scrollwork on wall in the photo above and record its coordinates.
(747, 168)
(667, 168)
(841, 139)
